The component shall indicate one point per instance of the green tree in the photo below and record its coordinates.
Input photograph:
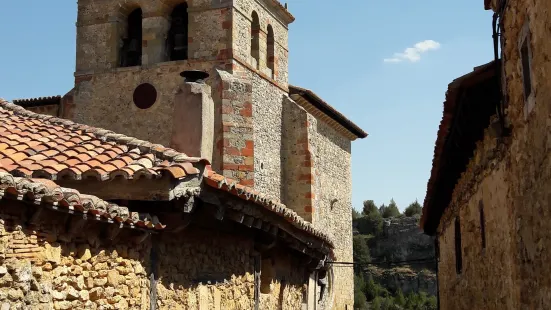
(413, 209)
(376, 304)
(399, 299)
(391, 211)
(372, 222)
(360, 302)
(382, 209)
(355, 214)
(369, 208)
(360, 253)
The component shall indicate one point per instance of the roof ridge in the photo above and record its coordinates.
(105, 135)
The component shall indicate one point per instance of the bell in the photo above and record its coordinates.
(180, 42)
(133, 46)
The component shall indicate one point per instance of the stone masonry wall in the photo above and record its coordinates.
(101, 24)
(52, 109)
(484, 184)
(530, 152)
(242, 19)
(234, 134)
(296, 158)
(515, 190)
(46, 266)
(332, 209)
(217, 272)
(99, 104)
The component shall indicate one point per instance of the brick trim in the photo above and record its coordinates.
(235, 143)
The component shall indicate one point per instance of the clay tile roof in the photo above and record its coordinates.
(34, 102)
(45, 193)
(327, 109)
(41, 146)
(218, 181)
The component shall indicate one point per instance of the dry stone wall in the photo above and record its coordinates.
(45, 266)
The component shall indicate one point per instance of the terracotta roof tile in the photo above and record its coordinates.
(46, 193)
(41, 145)
(216, 180)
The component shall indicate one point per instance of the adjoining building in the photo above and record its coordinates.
(490, 187)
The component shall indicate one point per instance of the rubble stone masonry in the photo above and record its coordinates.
(513, 183)
(332, 201)
(47, 266)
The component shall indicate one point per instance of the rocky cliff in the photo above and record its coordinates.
(410, 254)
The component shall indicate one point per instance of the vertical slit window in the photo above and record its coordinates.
(458, 255)
(525, 59)
(482, 224)
(270, 50)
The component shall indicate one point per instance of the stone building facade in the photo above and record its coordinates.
(245, 120)
(490, 187)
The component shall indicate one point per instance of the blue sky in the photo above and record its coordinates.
(338, 51)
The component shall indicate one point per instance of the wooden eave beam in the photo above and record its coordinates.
(256, 217)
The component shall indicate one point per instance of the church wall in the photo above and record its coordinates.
(332, 209)
(101, 25)
(99, 104)
(242, 19)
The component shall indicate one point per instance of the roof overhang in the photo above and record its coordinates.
(316, 106)
(470, 103)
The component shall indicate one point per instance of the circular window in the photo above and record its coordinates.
(145, 96)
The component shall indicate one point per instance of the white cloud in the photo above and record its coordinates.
(413, 54)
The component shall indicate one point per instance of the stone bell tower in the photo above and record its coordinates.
(130, 54)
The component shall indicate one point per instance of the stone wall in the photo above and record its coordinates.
(530, 152)
(213, 270)
(479, 270)
(105, 100)
(43, 266)
(52, 109)
(332, 209)
(47, 266)
(267, 119)
(101, 25)
(242, 19)
(296, 158)
(514, 188)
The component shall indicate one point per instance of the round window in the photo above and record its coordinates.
(145, 96)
